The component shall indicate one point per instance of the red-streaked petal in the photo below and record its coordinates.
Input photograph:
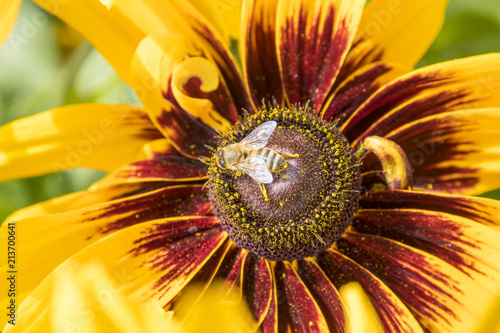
(257, 286)
(465, 244)
(454, 152)
(167, 168)
(270, 323)
(356, 89)
(395, 31)
(258, 51)
(230, 271)
(80, 228)
(394, 315)
(126, 252)
(201, 280)
(99, 136)
(324, 293)
(181, 200)
(449, 86)
(179, 253)
(313, 40)
(482, 210)
(440, 296)
(297, 309)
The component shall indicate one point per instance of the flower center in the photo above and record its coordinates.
(314, 191)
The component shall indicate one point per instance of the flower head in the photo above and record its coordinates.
(370, 163)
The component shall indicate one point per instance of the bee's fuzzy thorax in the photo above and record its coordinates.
(311, 202)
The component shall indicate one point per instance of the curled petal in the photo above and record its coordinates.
(198, 76)
(395, 164)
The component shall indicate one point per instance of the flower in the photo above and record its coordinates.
(371, 199)
(86, 298)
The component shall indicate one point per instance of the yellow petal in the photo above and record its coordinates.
(398, 31)
(97, 136)
(360, 313)
(85, 296)
(224, 15)
(74, 201)
(9, 10)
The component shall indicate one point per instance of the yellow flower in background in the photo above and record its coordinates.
(369, 215)
(85, 298)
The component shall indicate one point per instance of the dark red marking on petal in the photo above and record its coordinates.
(231, 268)
(257, 286)
(297, 309)
(325, 294)
(262, 67)
(356, 60)
(226, 64)
(203, 278)
(165, 167)
(432, 142)
(430, 232)
(220, 98)
(397, 93)
(270, 323)
(370, 178)
(341, 270)
(354, 92)
(149, 130)
(406, 272)
(476, 209)
(311, 54)
(180, 248)
(187, 132)
(168, 202)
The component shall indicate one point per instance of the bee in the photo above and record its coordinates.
(251, 157)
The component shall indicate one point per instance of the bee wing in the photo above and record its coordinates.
(259, 136)
(256, 168)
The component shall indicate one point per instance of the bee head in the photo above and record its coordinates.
(219, 160)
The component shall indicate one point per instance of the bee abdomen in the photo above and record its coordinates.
(274, 161)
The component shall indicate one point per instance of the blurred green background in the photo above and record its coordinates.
(54, 66)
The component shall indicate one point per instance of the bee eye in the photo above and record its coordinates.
(221, 160)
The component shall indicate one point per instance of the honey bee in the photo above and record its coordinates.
(250, 156)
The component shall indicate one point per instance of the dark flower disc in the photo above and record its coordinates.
(311, 202)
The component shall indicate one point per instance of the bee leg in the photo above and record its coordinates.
(264, 191)
(289, 155)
